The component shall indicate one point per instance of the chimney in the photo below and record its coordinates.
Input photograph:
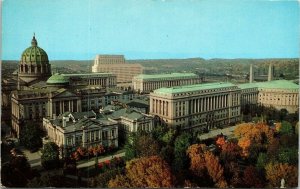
(270, 73)
(251, 74)
(64, 120)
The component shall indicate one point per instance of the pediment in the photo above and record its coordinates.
(64, 94)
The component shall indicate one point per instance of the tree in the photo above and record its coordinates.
(251, 178)
(50, 156)
(244, 143)
(144, 172)
(230, 152)
(147, 146)
(101, 181)
(31, 137)
(181, 159)
(16, 172)
(197, 160)
(215, 170)
(220, 141)
(261, 161)
(286, 128)
(277, 171)
(288, 155)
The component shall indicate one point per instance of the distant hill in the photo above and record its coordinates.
(285, 66)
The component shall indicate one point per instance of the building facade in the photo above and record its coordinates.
(116, 65)
(146, 83)
(280, 94)
(70, 133)
(91, 79)
(197, 107)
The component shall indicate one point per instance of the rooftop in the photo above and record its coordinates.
(158, 76)
(192, 88)
(276, 84)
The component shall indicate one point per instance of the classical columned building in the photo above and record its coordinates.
(197, 107)
(34, 65)
(116, 65)
(146, 83)
(70, 133)
(280, 94)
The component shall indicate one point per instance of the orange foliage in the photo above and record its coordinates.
(250, 133)
(119, 182)
(215, 170)
(254, 132)
(196, 154)
(144, 172)
(277, 127)
(220, 141)
(230, 151)
(251, 178)
(276, 171)
(244, 143)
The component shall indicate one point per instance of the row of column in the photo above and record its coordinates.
(249, 98)
(209, 103)
(89, 135)
(160, 107)
(149, 86)
(24, 68)
(66, 105)
(101, 81)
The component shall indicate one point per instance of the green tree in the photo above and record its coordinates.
(147, 146)
(181, 160)
(50, 156)
(262, 160)
(16, 172)
(288, 155)
(286, 128)
(31, 136)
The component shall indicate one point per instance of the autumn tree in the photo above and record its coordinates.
(251, 178)
(277, 171)
(215, 170)
(203, 163)
(147, 146)
(220, 141)
(144, 172)
(248, 134)
(230, 151)
(197, 160)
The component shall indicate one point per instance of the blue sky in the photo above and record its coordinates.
(149, 29)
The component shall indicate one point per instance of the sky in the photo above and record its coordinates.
(151, 29)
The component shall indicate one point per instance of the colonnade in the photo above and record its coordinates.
(160, 107)
(34, 69)
(152, 85)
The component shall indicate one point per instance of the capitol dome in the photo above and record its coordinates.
(34, 63)
(57, 80)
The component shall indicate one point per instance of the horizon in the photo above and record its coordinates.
(152, 29)
(174, 59)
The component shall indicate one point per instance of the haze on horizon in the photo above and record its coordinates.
(152, 29)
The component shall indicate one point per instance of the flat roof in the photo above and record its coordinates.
(158, 76)
(275, 84)
(192, 88)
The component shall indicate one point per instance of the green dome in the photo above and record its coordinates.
(57, 79)
(34, 54)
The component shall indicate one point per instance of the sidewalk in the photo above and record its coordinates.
(213, 133)
(92, 162)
